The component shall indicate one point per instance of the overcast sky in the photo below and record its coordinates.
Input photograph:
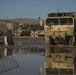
(34, 8)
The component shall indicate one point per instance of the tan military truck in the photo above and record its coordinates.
(60, 61)
(60, 28)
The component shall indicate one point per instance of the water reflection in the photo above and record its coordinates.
(7, 61)
(60, 60)
(30, 49)
(29, 41)
(30, 59)
(27, 60)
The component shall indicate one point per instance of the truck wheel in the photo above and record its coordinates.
(19, 29)
(49, 40)
(15, 34)
(69, 40)
(36, 34)
(18, 34)
(52, 41)
(32, 33)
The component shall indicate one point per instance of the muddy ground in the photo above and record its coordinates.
(23, 42)
(29, 40)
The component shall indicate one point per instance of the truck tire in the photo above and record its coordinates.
(52, 41)
(36, 34)
(69, 40)
(32, 33)
(49, 40)
(16, 34)
(19, 29)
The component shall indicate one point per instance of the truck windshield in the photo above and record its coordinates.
(59, 21)
(51, 21)
(66, 21)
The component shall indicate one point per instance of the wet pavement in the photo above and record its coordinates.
(26, 57)
(31, 56)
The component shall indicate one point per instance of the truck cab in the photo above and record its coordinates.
(60, 28)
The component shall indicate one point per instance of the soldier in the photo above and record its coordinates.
(9, 37)
(8, 40)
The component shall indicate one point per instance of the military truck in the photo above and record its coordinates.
(29, 30)
(60, 28)
(36, 30)
(20, 29)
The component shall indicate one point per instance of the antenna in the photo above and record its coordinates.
(58, 9)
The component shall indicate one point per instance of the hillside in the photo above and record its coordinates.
(20, 20)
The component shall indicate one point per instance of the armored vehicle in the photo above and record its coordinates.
(60, 28)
